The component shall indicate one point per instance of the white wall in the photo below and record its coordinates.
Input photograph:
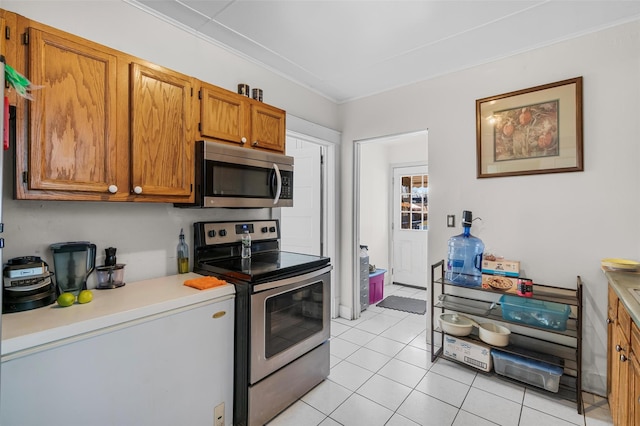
(558, 225)
(145, 235)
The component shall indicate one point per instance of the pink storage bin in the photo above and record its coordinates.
(376, 286)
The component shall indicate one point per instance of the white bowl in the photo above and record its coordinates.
(494, 334)
(455, 325)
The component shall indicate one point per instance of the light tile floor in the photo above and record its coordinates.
(381, 374)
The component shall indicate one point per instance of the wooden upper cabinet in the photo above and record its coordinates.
(106, 126)
(267, 127)
(9, 45)
(72, 117)
(223, 115)
(162, 139)
(103, 126)
(229, 117)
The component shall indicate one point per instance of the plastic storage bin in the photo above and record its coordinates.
(536, 373)
(376, 286)
(364, 278)
(538, 313)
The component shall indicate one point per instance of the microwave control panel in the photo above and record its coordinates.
(287, 185)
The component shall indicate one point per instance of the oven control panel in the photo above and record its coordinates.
(231, 232)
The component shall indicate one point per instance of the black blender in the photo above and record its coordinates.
(73, 261)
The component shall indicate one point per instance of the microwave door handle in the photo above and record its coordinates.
(278, 184)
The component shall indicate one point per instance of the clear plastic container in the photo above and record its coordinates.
(464, 260)
(110, 276)
(533, 372)
(246, 244)
(538, 313)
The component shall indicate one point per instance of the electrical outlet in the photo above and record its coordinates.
(218, 415)
(451, 221)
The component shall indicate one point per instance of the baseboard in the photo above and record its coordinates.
(410, 286)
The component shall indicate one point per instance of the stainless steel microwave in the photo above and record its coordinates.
(229, 176)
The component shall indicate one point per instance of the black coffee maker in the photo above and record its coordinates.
(27, 284)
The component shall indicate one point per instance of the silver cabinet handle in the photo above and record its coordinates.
(609, 320)
(618, 348)
(113, 189)
(255, 143)
(137, 190)
(623, 358)
(243, 140)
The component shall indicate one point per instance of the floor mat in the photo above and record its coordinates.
(405, 304)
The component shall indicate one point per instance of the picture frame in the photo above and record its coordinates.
(531, 131)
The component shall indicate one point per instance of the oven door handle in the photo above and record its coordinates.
(278, 177)
(291, 280)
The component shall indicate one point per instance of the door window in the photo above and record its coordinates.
(413, 201)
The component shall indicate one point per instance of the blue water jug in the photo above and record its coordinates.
(464, 261)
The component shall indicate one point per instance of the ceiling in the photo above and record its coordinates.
(347, 50)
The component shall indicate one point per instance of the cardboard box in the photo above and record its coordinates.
(509, 268)
(473, 354)
(500, 283)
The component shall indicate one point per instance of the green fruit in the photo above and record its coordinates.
(85, 296)
(66, 299)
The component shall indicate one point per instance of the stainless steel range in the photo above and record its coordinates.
(282, 315)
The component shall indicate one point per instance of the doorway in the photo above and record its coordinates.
(410, 225)
(303, 224)
(374, 162)
(315, 202)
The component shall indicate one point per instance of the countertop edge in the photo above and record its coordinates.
(110, 308)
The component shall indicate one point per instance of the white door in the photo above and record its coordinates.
(409, 210)
(301, 229)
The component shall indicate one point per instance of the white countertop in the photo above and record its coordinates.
(28, 330)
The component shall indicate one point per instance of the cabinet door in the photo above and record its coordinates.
(162, 141)
(267, 127)
(634, 391)
(612, 316)
(72, 118)
(9, 45)
(223, 115)
(619, 403)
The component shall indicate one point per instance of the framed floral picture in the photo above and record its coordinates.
(531, 131)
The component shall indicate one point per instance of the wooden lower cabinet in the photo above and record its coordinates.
(633, 401)
(623, 365)
(620, 378)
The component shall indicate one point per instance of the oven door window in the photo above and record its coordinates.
(292, 317)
